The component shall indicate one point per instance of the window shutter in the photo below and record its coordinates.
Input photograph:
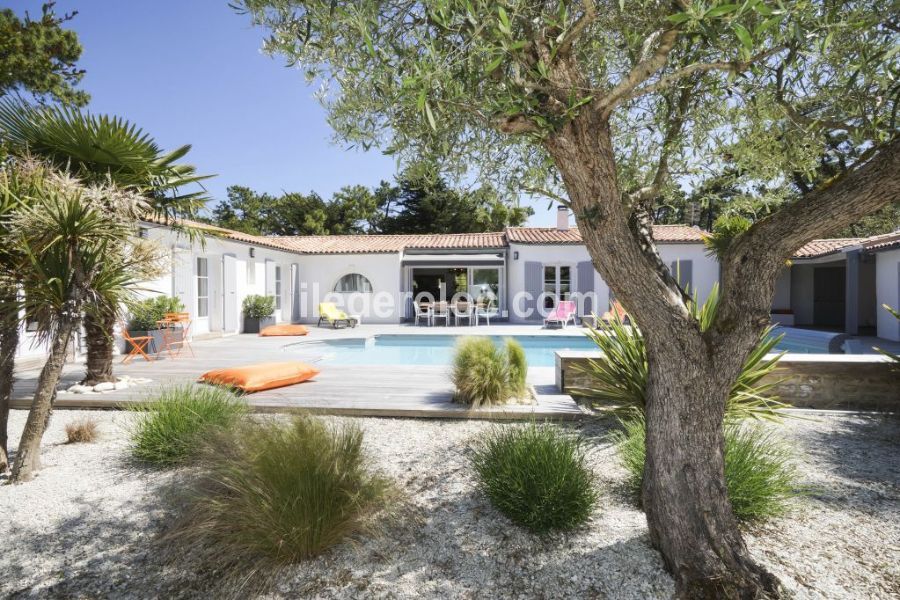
(683, 271)
(585, 275)
(534, 285)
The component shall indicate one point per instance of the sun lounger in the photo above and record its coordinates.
(562, 314)
(331, 314)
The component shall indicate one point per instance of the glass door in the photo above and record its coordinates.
(557, 284)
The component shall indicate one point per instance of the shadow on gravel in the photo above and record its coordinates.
(861, 448)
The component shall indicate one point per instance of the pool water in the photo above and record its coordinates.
(399, 349)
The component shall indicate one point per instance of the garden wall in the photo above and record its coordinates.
(822, 381)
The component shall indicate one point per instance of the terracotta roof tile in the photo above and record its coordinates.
(824, 247)
(239, 236)
(880, 242)
(670, 234)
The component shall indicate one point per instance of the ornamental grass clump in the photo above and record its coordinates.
(760, 477)
(81, 431)
(275, 493)
(171, 428)
(536, 475)
(485, 374)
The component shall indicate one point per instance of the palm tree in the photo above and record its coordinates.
(17, 183)
(65, 232)
(101, 149)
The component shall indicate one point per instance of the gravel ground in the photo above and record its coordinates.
(85, 527)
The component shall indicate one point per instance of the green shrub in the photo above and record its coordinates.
(535, 475)
(618, 379)
(759, 474)
(518, 367)
(484, 374)
(275, 493)
(170, 428)
(145, 313)
(259, 307)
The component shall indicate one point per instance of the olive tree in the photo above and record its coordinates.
(608, 106)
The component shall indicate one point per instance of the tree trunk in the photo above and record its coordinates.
(9, 342)
(29, 453)
(690, 376)
(688, 511)
(99, 339)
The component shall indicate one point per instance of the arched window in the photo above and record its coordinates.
(353, 282)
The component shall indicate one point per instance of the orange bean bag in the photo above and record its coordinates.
(273, 330)
(265, 376)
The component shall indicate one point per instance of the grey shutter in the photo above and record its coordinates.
(295, 293)
(585, 276)
(683, 271)
(534, 285)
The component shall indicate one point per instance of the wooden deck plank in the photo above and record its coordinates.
(389, 391)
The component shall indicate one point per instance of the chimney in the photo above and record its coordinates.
(562, 218)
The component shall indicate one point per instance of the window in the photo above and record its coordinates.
(353, 282)
(251, 272)
(202, 287)
(557, 284)
(277, 287)
(486, 284)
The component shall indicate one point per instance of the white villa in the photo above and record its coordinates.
(835, 283)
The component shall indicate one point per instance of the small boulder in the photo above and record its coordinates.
(105, 386)
(121, 385)
(80, 389)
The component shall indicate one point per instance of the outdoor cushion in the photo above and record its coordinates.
(273, 330)
(265, 376)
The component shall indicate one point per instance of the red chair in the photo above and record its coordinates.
(138, 345)
(173, 343)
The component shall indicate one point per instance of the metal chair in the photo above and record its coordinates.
(138, 345)
(421, 313)
(172, 342)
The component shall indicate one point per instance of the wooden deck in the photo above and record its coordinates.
(401, 391)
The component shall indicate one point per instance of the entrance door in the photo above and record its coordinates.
(829, 296)
(229, 294)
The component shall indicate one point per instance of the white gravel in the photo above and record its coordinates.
(85, 527)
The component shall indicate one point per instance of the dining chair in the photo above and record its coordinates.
(422, 313)
(440, 310)
(463, 311)
(174, 343)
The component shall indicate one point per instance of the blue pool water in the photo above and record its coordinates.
(398, 349)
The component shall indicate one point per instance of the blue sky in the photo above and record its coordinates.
(191, 72)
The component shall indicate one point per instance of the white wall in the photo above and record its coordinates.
(705, 271)
(181, 280)
(319, 274)
(887, 291)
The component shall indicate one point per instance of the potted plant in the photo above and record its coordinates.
(145, 317)
(258, 311)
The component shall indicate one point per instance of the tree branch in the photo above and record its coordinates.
(734, 66)
(751, 265)
(588, 17)
(640, 72)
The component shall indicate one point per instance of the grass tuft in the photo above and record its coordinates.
(485, 374)
(535, 475)
(81, 431)
(275, 493)
(759, 474)
(170, 428)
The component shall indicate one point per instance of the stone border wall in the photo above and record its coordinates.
(822, 381)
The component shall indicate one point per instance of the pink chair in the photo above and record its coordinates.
(562, 314)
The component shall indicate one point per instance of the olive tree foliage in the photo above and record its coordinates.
(690, 87)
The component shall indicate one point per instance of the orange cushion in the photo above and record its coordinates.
(266, 376)
(273, 330)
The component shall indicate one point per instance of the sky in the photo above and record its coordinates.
(191, 72)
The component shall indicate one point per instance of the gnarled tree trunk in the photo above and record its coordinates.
(28, 455)
(688, 513)
(9, 342)
(99, 339)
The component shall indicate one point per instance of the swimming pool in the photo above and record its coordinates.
(424, 349)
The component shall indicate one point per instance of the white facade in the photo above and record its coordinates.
(887, 291)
